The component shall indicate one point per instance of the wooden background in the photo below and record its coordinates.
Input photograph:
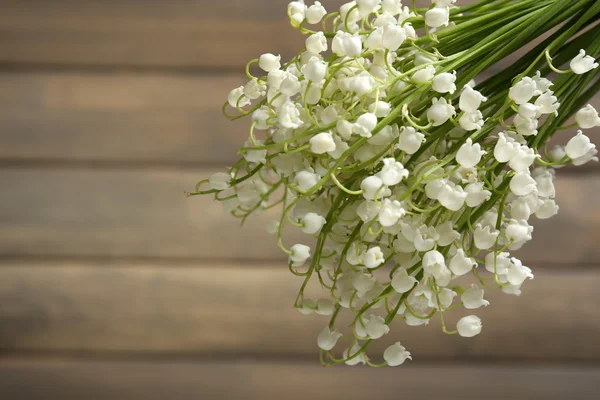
(114, 286)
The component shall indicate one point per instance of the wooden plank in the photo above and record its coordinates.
(240, 310)
(131, 118)
(75, 380)
(141, 213)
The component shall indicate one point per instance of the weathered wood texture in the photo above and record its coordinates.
(141, 213)
(76, 380)
(132, 118)
(245, 310)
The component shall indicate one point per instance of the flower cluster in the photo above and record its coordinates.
(376, 141)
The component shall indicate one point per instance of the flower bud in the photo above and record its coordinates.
(582, 63)
(269, 62)
(300, 254)
(396, 355)
(469, 326)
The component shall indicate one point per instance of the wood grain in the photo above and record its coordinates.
(143, 213)
(240, 310)
(76, 380)
(127, 118)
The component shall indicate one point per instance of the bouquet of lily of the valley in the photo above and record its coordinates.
(405, 161)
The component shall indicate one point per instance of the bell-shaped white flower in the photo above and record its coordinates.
(255, 89)
(315, 13)
(422, 59)
(522, 184)
(425, 238)
(471, 121)
(525, 126)
(424, 74)
(578, 146)
(322, 143)
(587, 117)
(444, 83)
(460, 264)
(497, 263)
(505, 148)
(446, 234)
(373, 257)
(375, 326)
(469, 154)
(523, 91)
(469, 326)
(522, 159)
(325, 307)
(587, 157)
(484, 237)
(547, 210)
(327, 339)
(315, 69)
(528, 110)
(393, 172)
(236, 98)
(396, 355)
(440, 111)
(255, 156)
(390, 212)
(306, 179)
(403, 245)
(290, 86)
(518, 231)
(358, 359)
(436, 17)
(380, 109)
(297, 11)
(363, 282)
(547, 103)
(391, 7)
(366, 7)
(289, 116)
(374, 188)
(393, 37)
(219, 181)
(470, 99)
(402, 282)
(476, 195)
(517, 273)
(410, 140)
(316, 43)
(583, 63)
(312, 223)
(345, 44)
(541, 83)
(544, 180)
(434, 188)
(365, 124)
(300, 254)
(269, 62)
(452, 196)
(472, 298)
(434, 264)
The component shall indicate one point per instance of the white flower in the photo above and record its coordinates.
(366, 7)
(300, 254)
(525, 126)
(255, 89)
(444, 82)
(517, 273)
(269, 62)
(307, 307)
(322, 143)
(373, 188)
(472, 298)
(476, 195)
(470, 99)
(452, 196)
(522, 183)
(485, 237)
(289, 116)
(547, 103)
(290, 86)
(434, 188)
(365, 124)
(471, 121)
(541, 83)
(425, 238)
(582, 63)
(393, 172)
(390, 212)
(255, 156)
(578, 146)
(237, 96)
(402, 282)
(443, 3)
(316, 43)
(587, 157)
(469, 154)
(434, 264)
(315, 13)
(306, 179)
(522, 158)
(523, 91)
(219, 181)
(460, 264)
(392, 7)
(325, 307)
(359, 359)
(440, 111)
(528, 110)
(393, 37)
(315, 69)
(297, 10)
(587, 117)
(363, 282)
(497, 263)
(312, 223)
(547, 210)
(346, 44)
(518, 231)
(396, 355)
(424, 74)
(373, 257)
(469, 326)
(505, 148)
(544, 180)
(327, 339)
(422, 59)
(380, 109)
(362, 83)
(447, 234)
(340, 148)
(437, 17)
(375, 326)
(410, 140)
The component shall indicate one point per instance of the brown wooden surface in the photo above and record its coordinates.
(76, 380)
(129, 118)
(143, 213)
(245, 310)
